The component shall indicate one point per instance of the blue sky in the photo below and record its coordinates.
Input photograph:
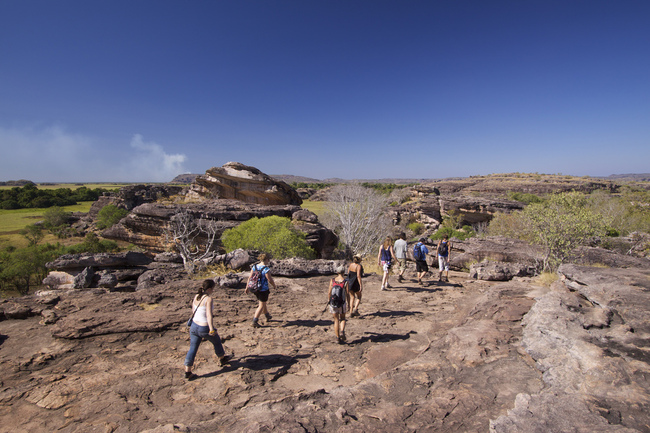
(141, 91)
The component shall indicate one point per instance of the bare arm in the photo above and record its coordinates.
(359, 278)
(208, 313)
(271, 281)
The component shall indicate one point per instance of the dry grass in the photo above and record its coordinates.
(546, 279)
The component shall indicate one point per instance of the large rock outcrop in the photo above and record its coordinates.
(146, 224)
(240, 182)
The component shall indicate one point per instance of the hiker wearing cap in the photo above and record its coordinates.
(339, 299)
(355, 284)
(201, 328)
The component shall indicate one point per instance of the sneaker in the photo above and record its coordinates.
(399, 278)
(387, 286)
(225, 360)
(256, 324)
(343, 339)
(419, 283)
(268, 316)
(383, 288)
(190, 376)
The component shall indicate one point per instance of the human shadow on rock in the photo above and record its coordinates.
(392, 313)
(374, 337)
(419, 289)
(307, 323)
(259, 363)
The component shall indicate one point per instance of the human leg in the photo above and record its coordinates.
(195, 342)
(342, 327)
(336, 325)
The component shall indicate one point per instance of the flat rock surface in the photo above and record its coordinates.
(463, 356)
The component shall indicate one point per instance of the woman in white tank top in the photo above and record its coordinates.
(203, 329)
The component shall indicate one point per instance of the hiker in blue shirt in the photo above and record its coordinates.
(263, 294)
(420, 252)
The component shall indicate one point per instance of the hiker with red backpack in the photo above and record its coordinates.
(339, 299)
(258, 284)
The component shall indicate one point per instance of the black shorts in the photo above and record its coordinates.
(262, 296)
(421, 266)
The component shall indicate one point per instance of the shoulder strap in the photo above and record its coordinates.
(198, 305)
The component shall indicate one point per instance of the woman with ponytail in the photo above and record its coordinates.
(203, 329)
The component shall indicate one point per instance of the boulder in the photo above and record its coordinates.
(240, 182)
(493, 248)
(499, 271)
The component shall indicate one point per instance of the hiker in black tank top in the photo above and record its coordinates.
(355, 272)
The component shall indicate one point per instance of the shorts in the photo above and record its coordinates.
(421, 266)
(402, 264)
(339, 310)
(262, 296)
(443, 263)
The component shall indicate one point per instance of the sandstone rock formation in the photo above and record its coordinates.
(464, 356)
(146, 224)
(240, 182)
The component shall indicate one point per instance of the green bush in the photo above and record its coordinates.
(524, 197)
(110, 215)
(274, 235)
(416, 228)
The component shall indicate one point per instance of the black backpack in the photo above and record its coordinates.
(337, 297)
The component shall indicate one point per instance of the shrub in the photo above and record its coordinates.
(274, 235)
(110, 215)
(416, 228)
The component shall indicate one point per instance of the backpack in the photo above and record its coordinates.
(443, 248)
(256, 281)
(417, 252)
(337, 297)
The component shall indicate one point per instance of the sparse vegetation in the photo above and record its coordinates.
(110, 215)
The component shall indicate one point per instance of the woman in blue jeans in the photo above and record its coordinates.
(202, 328)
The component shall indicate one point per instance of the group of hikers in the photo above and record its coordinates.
(344, 292)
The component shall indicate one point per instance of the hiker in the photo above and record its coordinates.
(385, 259)
(262, 294)
(203, 329)
(400, 252)
(442, 251)
(420, 252)
(339, 299)
(355, 284)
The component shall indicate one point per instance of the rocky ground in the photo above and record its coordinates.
(463, 356)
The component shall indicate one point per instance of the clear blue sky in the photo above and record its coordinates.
(145, 90)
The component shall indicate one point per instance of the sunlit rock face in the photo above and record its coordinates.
(240, 182)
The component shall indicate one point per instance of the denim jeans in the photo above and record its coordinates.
(198, 334)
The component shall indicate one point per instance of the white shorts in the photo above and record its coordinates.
(443, 263)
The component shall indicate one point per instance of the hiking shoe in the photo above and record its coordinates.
(399, 278)
(256, 324)
(225, 360)
(268, 316)
(343, 339)
(190, 376)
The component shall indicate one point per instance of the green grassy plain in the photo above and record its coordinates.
(73, 186)
(317, 207)
(13, 221)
